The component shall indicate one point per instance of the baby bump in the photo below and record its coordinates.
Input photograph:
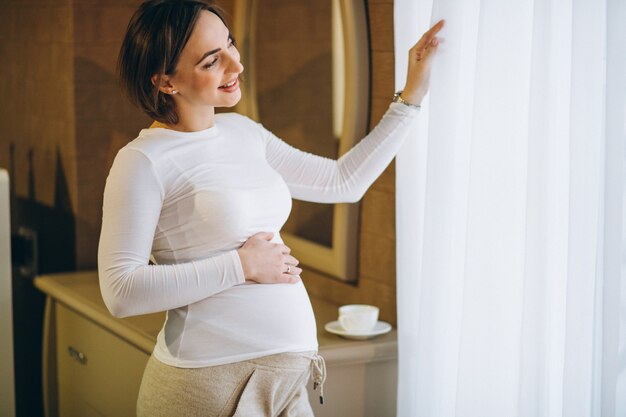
(251, 317)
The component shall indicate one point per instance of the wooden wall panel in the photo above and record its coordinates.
(104, 119)
(37, 128)
(377, 273)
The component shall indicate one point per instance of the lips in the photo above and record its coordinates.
(229, 84)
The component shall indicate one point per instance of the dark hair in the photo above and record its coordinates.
(155, 38)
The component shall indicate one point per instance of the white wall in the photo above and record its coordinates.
(7, 387)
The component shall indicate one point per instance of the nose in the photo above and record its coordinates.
(235, 63)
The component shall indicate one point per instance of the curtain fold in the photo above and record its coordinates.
(510, 214)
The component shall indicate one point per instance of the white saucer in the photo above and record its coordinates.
(381, 327)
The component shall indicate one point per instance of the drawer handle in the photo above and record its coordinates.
(77, 356)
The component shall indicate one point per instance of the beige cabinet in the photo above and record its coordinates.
(98, 374)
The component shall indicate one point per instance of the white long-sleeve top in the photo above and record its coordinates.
(191, 199)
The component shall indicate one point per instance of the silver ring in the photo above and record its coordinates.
(288, 269)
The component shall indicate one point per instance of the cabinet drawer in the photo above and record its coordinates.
(98, 373)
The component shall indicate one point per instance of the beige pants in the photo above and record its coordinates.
(269, 386)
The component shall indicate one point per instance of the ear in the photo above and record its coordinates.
(165, 83)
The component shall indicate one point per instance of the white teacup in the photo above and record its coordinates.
(358, 318)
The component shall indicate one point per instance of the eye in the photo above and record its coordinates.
(231, 42)
(210, 64)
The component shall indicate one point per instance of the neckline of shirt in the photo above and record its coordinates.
(207, 133)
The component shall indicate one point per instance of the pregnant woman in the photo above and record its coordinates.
(206, 195)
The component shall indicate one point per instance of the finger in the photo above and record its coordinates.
(435, 29)
(290, 260)
(294, 270)
(429, 35)
(284, 279)
(290, 269)
(289, 279)
(423, 53)
(283, 248)
(431, 46)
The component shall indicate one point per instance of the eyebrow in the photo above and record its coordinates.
(212, 51)
(207, 54)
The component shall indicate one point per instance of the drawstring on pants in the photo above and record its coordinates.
(318, 373)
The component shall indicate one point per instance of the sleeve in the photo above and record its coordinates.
(133, 197)
(322, 180)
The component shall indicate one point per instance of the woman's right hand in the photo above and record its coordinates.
(266, 262)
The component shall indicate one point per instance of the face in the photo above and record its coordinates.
(207, 68)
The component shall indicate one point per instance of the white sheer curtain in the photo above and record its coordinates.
(510, 209)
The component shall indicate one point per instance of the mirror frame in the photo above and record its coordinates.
(340, 260)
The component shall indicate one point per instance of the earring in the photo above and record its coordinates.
(174, 91)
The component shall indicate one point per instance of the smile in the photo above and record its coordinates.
(230, 84)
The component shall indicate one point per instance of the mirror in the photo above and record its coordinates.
(306, 79)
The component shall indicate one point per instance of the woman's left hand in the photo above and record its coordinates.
(420, 57)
